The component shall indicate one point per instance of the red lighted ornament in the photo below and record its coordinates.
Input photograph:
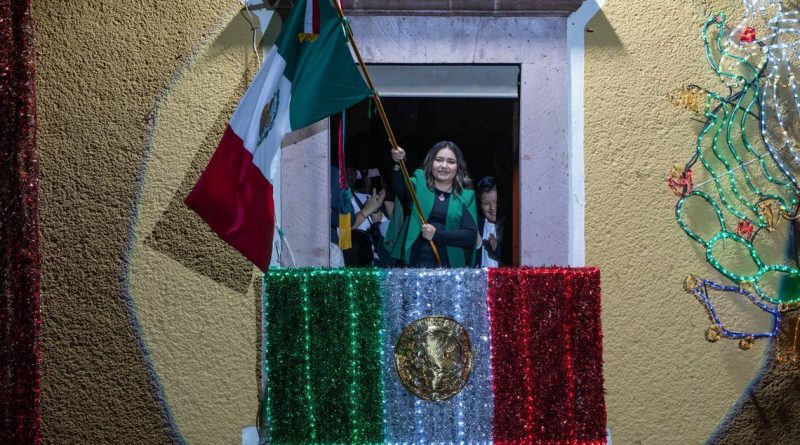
(744, 229)
(681, 182)
(748, 34)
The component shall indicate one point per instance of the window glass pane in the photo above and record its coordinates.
(476, 81)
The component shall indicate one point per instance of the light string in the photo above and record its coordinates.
(354, 433)
(530, 402)
(700, 185)
(417, 314)
(263, 423)
(21, 303)
(719, 149)
(557, 380)
(568, 359)
(307, 358)
(749, 87)
(380, 310)
(459, 315)
(718, 328)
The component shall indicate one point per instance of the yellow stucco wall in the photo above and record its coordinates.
(663, 381)
(127, 92)
(132, 97)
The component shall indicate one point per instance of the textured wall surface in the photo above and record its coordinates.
(150, 334)
(133, 353)
(664, 383)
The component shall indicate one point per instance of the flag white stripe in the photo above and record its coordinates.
(308, 22)
(267, 155)
(246, 120)
(407, 296)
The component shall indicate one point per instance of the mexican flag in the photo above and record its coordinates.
(432, 356)
(307, 76)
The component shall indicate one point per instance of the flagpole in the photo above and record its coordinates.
(385, 121)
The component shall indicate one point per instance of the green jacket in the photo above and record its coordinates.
(402, 231)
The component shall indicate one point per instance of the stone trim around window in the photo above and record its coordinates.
(503, 8)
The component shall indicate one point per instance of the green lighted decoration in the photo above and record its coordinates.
(745, 209)
(337, 351)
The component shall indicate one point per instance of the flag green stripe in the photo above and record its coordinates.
(369, 341)
(341, 313)
(324, 77)
(330, 348)
(286, 361)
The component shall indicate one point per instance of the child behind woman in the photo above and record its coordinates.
(490, 228)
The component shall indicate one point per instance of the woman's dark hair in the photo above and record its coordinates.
(462, 180)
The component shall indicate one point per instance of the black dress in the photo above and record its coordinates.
(421, 252)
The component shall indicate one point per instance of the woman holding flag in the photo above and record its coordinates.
(449, 228)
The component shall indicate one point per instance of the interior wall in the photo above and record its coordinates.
(150, 334)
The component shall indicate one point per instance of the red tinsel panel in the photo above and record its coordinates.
(547, 356)
(587, 346)
(20, 316)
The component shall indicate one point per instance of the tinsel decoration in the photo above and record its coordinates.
(20, 279)
(547, 341)
(410, 294)
(332, 340)
(323, 357)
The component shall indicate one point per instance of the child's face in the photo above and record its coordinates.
(489, 205)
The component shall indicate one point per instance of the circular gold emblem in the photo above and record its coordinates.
(433, 358)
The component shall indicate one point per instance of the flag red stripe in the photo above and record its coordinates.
(315, 17)
(235, 199)
(508, 358)
(587, 340)
(546, 356)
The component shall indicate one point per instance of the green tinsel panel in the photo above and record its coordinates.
(324, 336)
(285, 358)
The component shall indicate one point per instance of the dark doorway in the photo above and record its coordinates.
(484, 128)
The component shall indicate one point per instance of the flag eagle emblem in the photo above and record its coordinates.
(268, 116)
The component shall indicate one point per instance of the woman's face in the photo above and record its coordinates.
(445, 166)
(489, 205)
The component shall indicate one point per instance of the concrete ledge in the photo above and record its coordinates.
(462, 7)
